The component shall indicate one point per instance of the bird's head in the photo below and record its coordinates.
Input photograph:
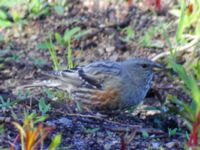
(142, 64)
(146, 64)
(141, 67)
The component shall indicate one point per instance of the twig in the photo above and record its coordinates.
(179, 49)
(97, 117)
(120, 126)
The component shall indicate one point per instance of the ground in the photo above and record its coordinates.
(24, 58)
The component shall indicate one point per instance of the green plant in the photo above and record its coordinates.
(148, 40)
(69, 55)
(13, 12)
(64, 41)
(189, 112)
(5, 104)
(21, 95)
(48, 93)
(59, 6)
(1, 129)
(145, 134)
(187, 37)
(4, 21)
(192, 109)
(32, 136)
(189, 76)
(38, 7)
(43, 107)
(68, 38)
(172, 132)
(59, 9)
(61, 95)
(188, 15)
(39, 62)
(55, 142)
(129, 32)
(53, 55)
(17, 11)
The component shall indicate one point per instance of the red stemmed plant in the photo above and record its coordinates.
(157, 4)
(32, 136)
(193, 140)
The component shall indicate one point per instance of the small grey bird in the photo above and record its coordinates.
(105, 84)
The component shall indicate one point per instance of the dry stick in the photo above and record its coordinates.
(123, 128)
(179, 49)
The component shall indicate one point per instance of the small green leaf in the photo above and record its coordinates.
(42, 46)
(181, 22)
(59, 9)
(59, 38)
(55, 142)
(16, 16)
(43, 107)
(35, 6)
(145, 134)
(5, 23)
(172, 132)
(53, 54)
(3, 14)
(69, 33)
(82, 33)
(130, 34)
(49, 93)
(40, 62)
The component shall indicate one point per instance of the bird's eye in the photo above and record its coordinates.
(144, 65)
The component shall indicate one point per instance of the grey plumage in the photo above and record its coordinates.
(128, 82)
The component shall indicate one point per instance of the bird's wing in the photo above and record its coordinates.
(103, 67)
(89, 80)
(76, 77)
(90, 76)
(63, 75)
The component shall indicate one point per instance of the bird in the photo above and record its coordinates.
(106, 84)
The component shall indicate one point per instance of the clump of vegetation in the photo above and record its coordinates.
(65, 42)
(32, 135)
(18, 11)
(187, 37)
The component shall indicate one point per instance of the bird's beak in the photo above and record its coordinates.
(158, 67)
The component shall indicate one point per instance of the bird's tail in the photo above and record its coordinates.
(56, 79)
(45, 83)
